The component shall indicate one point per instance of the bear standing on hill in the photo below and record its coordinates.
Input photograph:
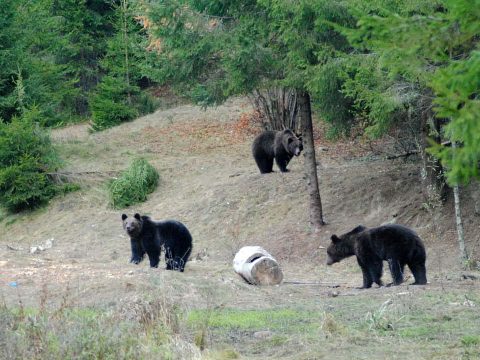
(396, 244)
(281, 145)
(148, 236)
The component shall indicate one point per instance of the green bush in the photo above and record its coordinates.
(26, 157)
(146, 103)
(133, 185)
(114, 102)
(110, 104)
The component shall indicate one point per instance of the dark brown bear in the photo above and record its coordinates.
(278, 145)
(149, 236)
(396, 244)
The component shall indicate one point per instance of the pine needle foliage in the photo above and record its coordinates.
(133, 185)
(26, 158)
(434, 46)
(110, 105)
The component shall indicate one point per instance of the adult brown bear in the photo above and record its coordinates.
(278, 145)
(149, 236)
(396, 244)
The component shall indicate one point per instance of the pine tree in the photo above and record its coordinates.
(29, 72)
(434, 46)
(26, 158)
(210, 51)
(117, 97)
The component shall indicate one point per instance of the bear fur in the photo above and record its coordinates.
(278, 145)
(149, 236)
(396, 244)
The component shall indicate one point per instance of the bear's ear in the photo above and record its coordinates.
(335, 238)
(137, 216)
(124, 216)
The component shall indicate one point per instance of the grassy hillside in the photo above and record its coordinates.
(82, 299)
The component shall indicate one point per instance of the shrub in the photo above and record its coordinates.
(133, 185)
(114, 102)
(26, 158)
(110, 103)
(145, 103)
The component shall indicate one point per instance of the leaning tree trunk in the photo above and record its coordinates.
(315, 202)
(458, 219)
(434, 185)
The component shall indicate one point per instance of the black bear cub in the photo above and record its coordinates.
(148, 236)
(278, 145)
(396, 244)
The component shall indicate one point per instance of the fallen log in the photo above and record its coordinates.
(405, 154)
(257, 266)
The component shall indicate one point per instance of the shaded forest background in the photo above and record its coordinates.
(406, 69)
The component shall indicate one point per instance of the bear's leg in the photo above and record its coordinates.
(178, 264)
(419, 273)
(376, 269)
(153, 255)
(183, 260)
(367, 278)
(265, 164)
(282, 164)
(396, 269)
(137, 251)
(154, 259)
(169, 259)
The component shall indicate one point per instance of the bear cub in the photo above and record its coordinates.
(396, 244)
(148, 236)
(278, 145)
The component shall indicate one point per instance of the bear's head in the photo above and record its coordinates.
(342, 246)
(133, 226)
(292, 143)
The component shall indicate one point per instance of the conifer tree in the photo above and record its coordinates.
(210, 51)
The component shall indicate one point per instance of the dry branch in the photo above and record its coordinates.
(406, 154)
(61, 177)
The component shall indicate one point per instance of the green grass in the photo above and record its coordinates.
(365, 326)
(133, 185)
(245, 319)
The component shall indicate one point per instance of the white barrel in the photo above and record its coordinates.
(257, 266)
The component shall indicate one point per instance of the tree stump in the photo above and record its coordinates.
(257, 266)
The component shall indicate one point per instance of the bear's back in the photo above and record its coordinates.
(392, 239)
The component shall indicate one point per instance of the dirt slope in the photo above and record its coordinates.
(210, 182)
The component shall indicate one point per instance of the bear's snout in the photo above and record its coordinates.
(330, 260)
(297, 151)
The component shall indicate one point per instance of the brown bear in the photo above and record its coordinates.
(149, 236)
(396, 244)
(278, 145)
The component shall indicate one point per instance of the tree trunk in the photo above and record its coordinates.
(434, 185)
(125, 43)
(257, 266)
(458, 219)
(315, 202)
